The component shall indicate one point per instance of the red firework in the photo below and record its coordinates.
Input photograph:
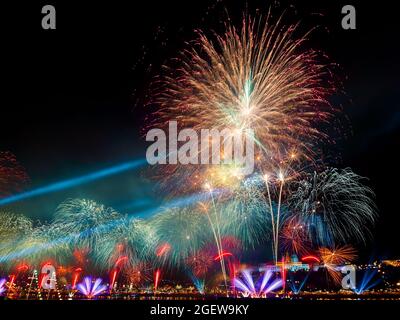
(81, 256)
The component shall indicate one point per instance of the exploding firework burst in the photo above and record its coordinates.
(132, 239)
(13, 226)
(368, 281)
(199, 284)
(13, 176)
(183, 229)
(337, 255)
(258, 77)
(245, 215)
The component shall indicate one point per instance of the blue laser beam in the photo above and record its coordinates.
(69, 183)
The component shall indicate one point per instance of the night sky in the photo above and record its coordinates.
(72, 98)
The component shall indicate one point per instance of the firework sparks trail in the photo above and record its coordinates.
(13, 177)
(257, 77)
(62, 185)
(331, 258)
(79, 215)
(297, 289)
(217, 215)
(277, 226)
(179, 233)
(131, 241)
(11, 284)
(334, 206)
(91, 288)
(119, 264)
(139, 274)
(49, 239)
(310, 259)
(33, 277)
(294, 237)
(232, 264)
(200, 262)
(157, 276)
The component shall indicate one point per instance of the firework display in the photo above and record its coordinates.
(2, 288)
(247, 286)
(304, 216)
(13, 176)
(335, 206)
